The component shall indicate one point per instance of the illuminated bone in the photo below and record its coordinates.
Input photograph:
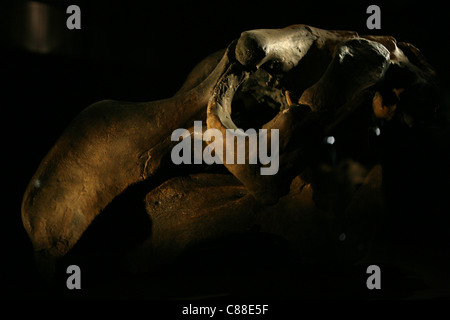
(357, 64)
(107, 147)
(112, 145)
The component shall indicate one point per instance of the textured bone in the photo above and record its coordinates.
(286, 46)
(187, 210)
(104, 150)
(266, 188)
(112, 145)
(357, 64)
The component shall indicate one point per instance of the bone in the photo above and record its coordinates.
(267, 189)
(285, 46)
(112, 145)
(108, 147)
(357, 65)
(187, 210)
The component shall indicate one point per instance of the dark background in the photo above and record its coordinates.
(141, 51)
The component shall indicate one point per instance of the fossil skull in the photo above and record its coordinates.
(310, 80)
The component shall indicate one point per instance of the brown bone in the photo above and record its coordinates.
(356, 65)
(108, 147)
(112, 145)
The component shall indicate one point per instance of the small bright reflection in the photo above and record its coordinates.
(377, 131)
(37, 183)
(329, 140)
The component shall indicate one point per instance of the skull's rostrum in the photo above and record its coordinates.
(340, 102)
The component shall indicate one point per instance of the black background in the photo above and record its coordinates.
(142, 51)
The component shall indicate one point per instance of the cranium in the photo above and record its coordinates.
(304, 81)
